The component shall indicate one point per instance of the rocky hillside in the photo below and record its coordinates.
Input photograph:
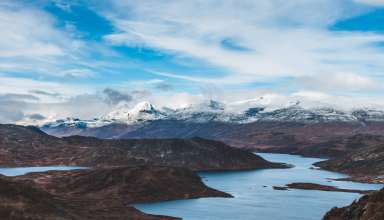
(23, 201)
(275, 135)
(335, 147)
(97, 194)
(369, 207)
(363, 159)
(126, 184)
(27, 146)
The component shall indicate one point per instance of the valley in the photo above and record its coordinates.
(146, 144)
(117, 173)
(328, 133)
(191, 110)
(255, 198)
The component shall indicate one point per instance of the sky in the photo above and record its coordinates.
(82, 58)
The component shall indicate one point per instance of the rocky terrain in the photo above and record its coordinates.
(369, 207)
(127, 184)
(97, 193)
(28, 146)
(361, 156)
(123, 172)
(363, 161)
(23, 201)
(268, 136)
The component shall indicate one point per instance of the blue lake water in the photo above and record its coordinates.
(23, 170)
(252, 200)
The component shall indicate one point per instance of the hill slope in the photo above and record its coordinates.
(369, 207)
(28, 146)
(97, 194)
(363, 159)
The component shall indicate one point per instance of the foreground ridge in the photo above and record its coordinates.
(368, 207)
(97, 194)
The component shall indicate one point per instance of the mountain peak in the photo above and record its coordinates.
(215, 105)
(143, 107)
(210, 110)
(142, 111)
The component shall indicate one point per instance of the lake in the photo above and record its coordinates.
(24, 170)
(254, 197)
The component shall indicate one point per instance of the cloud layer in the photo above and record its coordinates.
(279, 38)
(175, 53)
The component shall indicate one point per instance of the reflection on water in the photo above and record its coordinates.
(255, 198)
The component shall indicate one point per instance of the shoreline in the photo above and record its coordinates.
(350, 176)
(320, 187)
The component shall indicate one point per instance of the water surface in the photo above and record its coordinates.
(24, 170)
(255, 198)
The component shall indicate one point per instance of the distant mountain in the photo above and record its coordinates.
(210, 119)
(213, 111)
(143, 111)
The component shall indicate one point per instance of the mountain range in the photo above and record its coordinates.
(351, 139)
(254, 127)
(214, 111)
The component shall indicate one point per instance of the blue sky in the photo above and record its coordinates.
(178, 52)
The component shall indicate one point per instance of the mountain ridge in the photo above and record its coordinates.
(214, 111)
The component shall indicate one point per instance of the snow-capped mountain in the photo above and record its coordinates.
(123, 114)
(143, 111)
(299, 114)
(204, 112)
(78, 123)
(213, 111)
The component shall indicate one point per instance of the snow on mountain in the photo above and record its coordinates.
(299, 114)
(208, 111)
(77, 123)
(204, 112)
(368, 114)
(143, 111)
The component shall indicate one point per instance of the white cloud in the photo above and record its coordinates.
(354, 81)
(371, 2)
(177, 100)
(339, 82)
(27, 32)
(86, 106)
(313, 95)
(315, 99)
(305, 98)
(78, 73)
(63, 5)
(31, 42)
(269, 41)
(283, 38)
(25, 86)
